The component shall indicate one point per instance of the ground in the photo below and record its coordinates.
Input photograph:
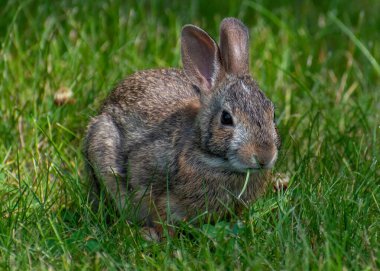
(317, 60)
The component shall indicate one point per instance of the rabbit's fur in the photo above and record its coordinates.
(161, 146)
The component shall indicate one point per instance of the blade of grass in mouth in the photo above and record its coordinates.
(245, 184)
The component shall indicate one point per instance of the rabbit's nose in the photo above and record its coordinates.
(258, 162)
(264, 160)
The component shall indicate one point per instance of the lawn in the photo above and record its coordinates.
(319, 61)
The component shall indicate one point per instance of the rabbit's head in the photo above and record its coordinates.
(236, 120)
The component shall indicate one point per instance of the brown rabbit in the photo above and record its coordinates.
(177, 143)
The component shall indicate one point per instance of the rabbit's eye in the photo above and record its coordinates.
(226, 118)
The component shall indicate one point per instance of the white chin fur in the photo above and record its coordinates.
(230, 164)
(233, 164)
(236, 165)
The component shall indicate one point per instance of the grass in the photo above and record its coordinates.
(319, 63)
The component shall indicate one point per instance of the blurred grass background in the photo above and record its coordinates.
(317, 60)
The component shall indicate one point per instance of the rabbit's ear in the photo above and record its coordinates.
(200, 57)
(234, 46)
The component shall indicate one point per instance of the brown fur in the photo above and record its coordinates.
(158, 145)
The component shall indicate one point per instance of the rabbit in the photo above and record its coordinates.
(177, 143)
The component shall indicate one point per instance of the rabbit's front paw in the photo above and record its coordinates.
(280, 182)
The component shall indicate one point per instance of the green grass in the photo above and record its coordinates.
(319, 63)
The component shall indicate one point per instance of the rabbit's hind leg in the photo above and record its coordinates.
(106, 159)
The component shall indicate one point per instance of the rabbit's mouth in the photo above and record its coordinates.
(240, 167)
(254, 164)
(231, 164)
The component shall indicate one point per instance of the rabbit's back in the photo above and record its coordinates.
(148, 106)
(151, 96)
